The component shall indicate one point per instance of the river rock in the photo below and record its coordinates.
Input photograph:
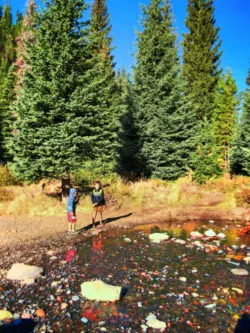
(153, 322)
(221, 235)
(210, 233)
(238, 291)
(180, 241)
(4, 314)
(239, 271)
(127, 240)
(25, 273)
(196, 235)
(100, 291)
(157, 238)
(247, 260)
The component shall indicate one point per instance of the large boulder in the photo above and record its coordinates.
(157, 238)
(24, 273)
(100, 291)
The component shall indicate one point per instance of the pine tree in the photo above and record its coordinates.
(26, 38)
(51, 132)
(201, 56)
(128, 151)
(206, 160)
(241, 146)
(225, 116)
(7, 43)
(166, 123)
(6, 115)
(102, 98)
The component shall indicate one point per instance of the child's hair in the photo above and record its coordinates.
(97, 182)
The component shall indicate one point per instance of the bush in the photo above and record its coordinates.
(6, 177)
(243, 197)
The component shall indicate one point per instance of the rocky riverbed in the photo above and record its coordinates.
(194, 279)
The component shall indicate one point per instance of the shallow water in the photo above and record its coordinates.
(151, 275)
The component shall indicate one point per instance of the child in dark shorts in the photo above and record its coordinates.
(71, 210)
(98, 202)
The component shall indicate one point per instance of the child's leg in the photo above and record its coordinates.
(94, 218)
(101, 223)
(69, 227)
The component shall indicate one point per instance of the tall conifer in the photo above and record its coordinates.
(166, 124)
(128, 136)
(51, 132)
(241, 146)
(201, 56)
(101, 95)
(225, 116)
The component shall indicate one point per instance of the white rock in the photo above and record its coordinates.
(210, 306)
(210, 233)
(198, 244)
(127, 240)
(157, 238)
(64, 306)
(247, 260)
(153, 322)
(180, 241)
(238, 291)
(75, 298)
(235, 247)
(183, 279)
(239, 271)
(195, 295)
(221, 235)
(22, 272)
(100, 291)
(211, 221)
(144, 328)
(196, 234)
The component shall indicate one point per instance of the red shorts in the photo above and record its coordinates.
(71, 217)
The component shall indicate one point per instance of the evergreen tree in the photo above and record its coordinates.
(128, 151)
(25, 39)
(51, 132)
(225, 116)
(166, 124)
(7, 43)
(201, 56)
(6, 115)
(206, 160)
(241, 146)
(102, 98)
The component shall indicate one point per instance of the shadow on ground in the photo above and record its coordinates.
(106, 221)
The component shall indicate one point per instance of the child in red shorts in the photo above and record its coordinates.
(71, 210)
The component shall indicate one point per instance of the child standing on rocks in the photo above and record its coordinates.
(71, 210)
(98, 202)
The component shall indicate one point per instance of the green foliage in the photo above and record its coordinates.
(101, 93)
(51, 133)
(225, 116)
(7, 97)
(165, 121)
(201, 56)
(241, 145)
(206, 160)
(128, 151)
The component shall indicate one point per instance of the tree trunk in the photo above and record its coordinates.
(65, 189)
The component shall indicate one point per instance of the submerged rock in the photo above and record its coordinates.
(210, 233)
(100, 291)
(153, 322)
(157, 238)
(239, 271)
(25, 273)
(196, 234)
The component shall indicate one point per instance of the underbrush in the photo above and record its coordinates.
(121, 194)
